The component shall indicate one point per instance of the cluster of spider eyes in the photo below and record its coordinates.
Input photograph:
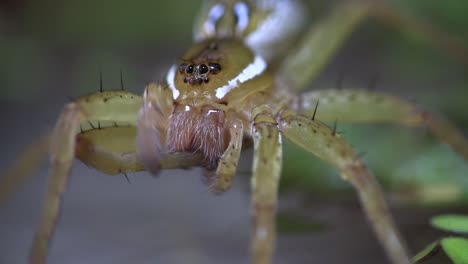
(198, 72)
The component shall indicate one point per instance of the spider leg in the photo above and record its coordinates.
(265, 181)
(363, 106)
(320, 43)
(321, 141)
(22, 169)
(328, 34)
(113, 150)
(115, 106)
(226, 170)
(108, 106)
(152, 126)
(61, 157)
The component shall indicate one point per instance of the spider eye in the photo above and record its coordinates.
(190, 69)
(182, 67)
(214, 67)
(202, 69)
(215, 13)
(241, 14)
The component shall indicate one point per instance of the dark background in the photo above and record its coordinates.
(51, 50)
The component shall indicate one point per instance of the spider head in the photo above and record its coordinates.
(215, 71)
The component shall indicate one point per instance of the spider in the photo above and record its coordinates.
(229, 90)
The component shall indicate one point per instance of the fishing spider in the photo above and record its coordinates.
(231, 88)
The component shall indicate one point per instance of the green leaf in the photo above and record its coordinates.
(452, 223)
(456, 248)
(428, 251)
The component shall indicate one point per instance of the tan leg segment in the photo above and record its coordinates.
(104, 106)
(113, 106)
(112, 150)
(101, 106)
(227, 166)
(22, 169)
(265, 181)
(327, 35)
(62, 152)
(320, 140)
(152, 126)
(362, 106)
(320, 43)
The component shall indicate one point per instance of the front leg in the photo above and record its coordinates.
(265, 181)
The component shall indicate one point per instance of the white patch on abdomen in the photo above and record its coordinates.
(285, 20)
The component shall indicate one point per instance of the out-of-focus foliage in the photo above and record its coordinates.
(426, 252)
(404, 45)
(454, 247)
(451, 223)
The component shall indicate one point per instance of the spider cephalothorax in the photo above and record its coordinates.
(217, 72)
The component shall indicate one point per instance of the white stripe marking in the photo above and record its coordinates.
(285, 19)
(241, 10)
(257, 67)
(170, 81)
(216, 12)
